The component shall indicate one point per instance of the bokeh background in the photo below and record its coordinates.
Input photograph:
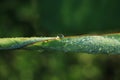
(26, 18)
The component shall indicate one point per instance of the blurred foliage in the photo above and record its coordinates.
(48, 18)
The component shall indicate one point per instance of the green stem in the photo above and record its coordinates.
(105, 44)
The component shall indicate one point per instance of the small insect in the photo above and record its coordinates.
(60, 36)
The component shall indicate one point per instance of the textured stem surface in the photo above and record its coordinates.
(105, 44)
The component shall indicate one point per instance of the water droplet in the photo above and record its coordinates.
(60, 36)
(100, 49)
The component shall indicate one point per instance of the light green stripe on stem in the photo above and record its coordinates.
(20, 42)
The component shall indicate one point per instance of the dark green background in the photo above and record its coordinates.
(26, 18)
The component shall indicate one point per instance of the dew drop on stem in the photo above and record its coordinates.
(60, 36)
